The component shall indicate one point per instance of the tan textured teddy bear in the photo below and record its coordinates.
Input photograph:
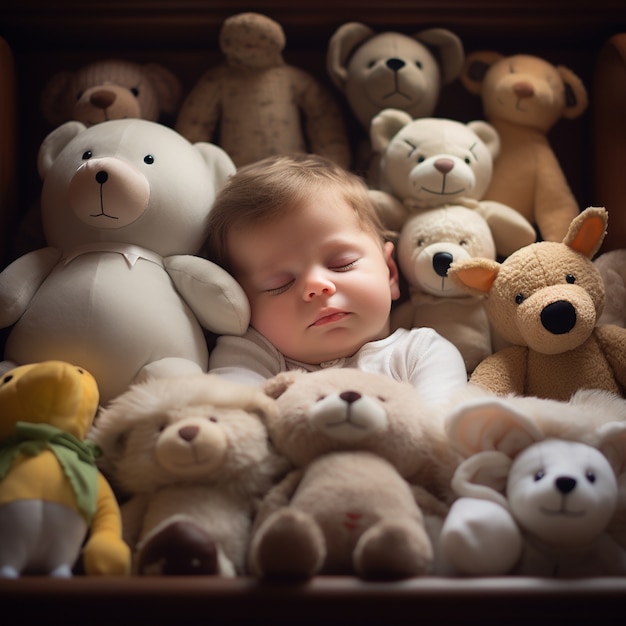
(523, 96)
(257, 105)
(428, 244)
(192, 459)
(371, 460)
(545, 299)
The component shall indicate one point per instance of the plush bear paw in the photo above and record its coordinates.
(180, 548)
(289, 544)
(479, 537)
(393, 549)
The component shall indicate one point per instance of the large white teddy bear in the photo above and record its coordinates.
(119, 289)
(434, 162)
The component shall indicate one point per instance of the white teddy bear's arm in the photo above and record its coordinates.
(215, 297)
(480, 538)
(20, 281)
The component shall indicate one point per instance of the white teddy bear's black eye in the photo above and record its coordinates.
(539, 475)
(148, 159)
(570, 278)
(590, 476)
(87, 154)
(467, 160)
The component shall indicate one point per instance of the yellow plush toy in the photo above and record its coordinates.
(257, 104)
(523, 96)
(51, 492)
(546, 299)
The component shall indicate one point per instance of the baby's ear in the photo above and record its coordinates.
(491, 424)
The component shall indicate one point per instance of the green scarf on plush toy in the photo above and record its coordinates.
(78, 459)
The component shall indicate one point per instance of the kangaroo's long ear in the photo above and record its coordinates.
(587, 231)
(490, 424)
(475, 275)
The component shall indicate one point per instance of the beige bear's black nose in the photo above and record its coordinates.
(559, 317)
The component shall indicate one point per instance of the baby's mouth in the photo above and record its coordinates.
(329, 318)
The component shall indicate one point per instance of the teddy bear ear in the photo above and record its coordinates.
(385, 126)
(166, 85)
(576, 98)
(487, 134)
(476, 66)
(449, 49)
(613, 446)
(54, 144)
(476, 275)
(340, 46)
(491, 424)
(277, 385)
(587, 231)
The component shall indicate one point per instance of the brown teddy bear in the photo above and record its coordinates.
(545, 299)
(259, 106)
(110, 89)
(523, 96)
(371, 464)
(191, 458)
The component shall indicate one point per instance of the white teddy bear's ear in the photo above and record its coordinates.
(483, 476)
(613, 446)
(487, 134)
(220, 165)
(385, 126)
(491, 424)
(54, 143)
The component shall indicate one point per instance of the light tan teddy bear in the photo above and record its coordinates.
(371, 461)
(191, 458)
(428, 244)
(545, 299)
(255, 105)
(523, 96)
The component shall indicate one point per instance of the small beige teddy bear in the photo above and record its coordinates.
(372, 466)
(259, 106)
(192, 460)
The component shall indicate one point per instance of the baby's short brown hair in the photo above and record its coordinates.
(264, 190)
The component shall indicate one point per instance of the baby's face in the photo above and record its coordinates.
(319, 285)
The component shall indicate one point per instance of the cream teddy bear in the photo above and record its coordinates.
(433, 162)
(372, 466)
(546, 299)
(428, 244)
(192, 459)
(523, 96)
(539, 488)
(255, 105)
(119, 288)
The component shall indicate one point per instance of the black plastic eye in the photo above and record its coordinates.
(134, 91)
(418, 64)
(371, 64)
(539, 475)
(148, 159)
(467, 160)
(519, 298)
(421, 159)
(7, 378)
(571, 279)
(591, 477)
(87, 155)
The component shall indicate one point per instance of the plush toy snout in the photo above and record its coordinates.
(108, 193)
(556, 318)
(348, 416)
